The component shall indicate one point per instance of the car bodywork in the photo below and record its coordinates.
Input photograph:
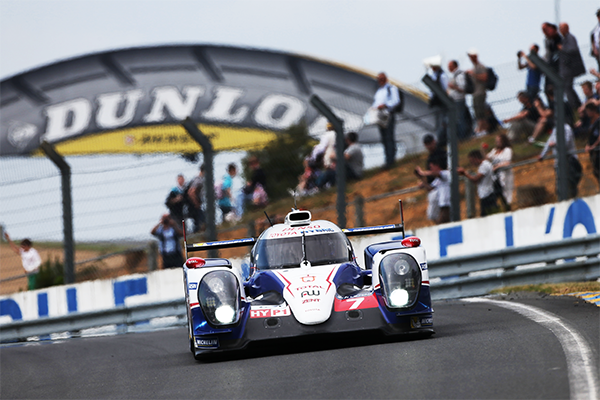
(304, 279)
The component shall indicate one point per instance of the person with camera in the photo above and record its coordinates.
(534, 75)
(168, 234)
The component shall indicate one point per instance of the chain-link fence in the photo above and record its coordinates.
(119, 198)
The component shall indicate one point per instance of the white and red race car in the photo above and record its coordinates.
(304, 279)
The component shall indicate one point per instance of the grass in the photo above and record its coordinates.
(553, 288)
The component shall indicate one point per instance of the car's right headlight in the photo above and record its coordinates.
(218, 295)
(400, 278)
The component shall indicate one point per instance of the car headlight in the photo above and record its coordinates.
(400, 278)
(218, 295)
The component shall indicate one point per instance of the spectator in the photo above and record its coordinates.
(354, 157)
(534, 75)
(30, 259)
(225, 199)
(551, 41)
(195, 195)
(387, 99)
(574, 167)
(255, 189)
(456, 90)
(582, 126)
(438, 209)
(168, 234)
(593, 146)
(307, 182)
(595, 39)
(354, 163)
(484, 180)
(546, 121)
(441, 115)
(500, 157)
(176, 201)
(523, 123)
(479, 75)
(325, 146)
(570, 64)
(436, 154)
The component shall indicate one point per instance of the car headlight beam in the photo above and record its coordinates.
(218, 295)
(400, 278)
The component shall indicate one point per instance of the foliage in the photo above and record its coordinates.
(553, 288)
(51, 274)
(282, 160)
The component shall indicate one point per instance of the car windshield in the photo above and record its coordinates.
(323, 249)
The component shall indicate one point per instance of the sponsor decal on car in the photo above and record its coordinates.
(266, 312)
(424, 266)
(420, 322)
(193, 285)
(355, 303)
(207, 343)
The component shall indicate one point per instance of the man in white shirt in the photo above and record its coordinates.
(456, 90)
(30, 259)
(438, 209)
(485, 182)
(387, 98)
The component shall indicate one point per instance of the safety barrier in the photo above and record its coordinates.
(451, 277)
(475, 275)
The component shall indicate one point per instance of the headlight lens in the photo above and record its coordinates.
(218, 295)
(400, 278)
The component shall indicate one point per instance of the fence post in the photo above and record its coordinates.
(340, 165)
(152, 255)
(67, 206)
(470, 198)
(559, 116)
(453, 141)
(359, 204)
(209, 180)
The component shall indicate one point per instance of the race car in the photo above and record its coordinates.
(304, 279)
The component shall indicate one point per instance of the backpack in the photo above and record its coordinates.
(492, 79)
(469, 84)
(398, 108)
(219, 191)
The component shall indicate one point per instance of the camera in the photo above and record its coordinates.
(519, 53)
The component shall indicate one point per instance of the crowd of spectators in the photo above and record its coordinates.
(535, 120)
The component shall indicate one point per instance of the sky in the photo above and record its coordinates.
(378, 35)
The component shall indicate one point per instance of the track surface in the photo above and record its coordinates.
(480, 351)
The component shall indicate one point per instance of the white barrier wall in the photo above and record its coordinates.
(552, 222)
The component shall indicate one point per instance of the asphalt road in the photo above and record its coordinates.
(480, 351)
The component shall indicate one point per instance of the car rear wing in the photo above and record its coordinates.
(226, 244)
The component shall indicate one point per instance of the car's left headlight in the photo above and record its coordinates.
(218, 295)
(400, 278)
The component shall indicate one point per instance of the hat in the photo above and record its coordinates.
(472, 51)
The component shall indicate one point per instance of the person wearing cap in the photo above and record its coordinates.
(387, 97)
(595, 39)
(479, 75)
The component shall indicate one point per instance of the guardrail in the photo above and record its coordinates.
(451, 277)
(475, 275)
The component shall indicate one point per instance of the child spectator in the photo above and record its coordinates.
(438, 209)
(484, 180)
(30, 259)
(226, 201)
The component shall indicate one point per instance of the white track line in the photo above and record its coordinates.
(580, 357)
